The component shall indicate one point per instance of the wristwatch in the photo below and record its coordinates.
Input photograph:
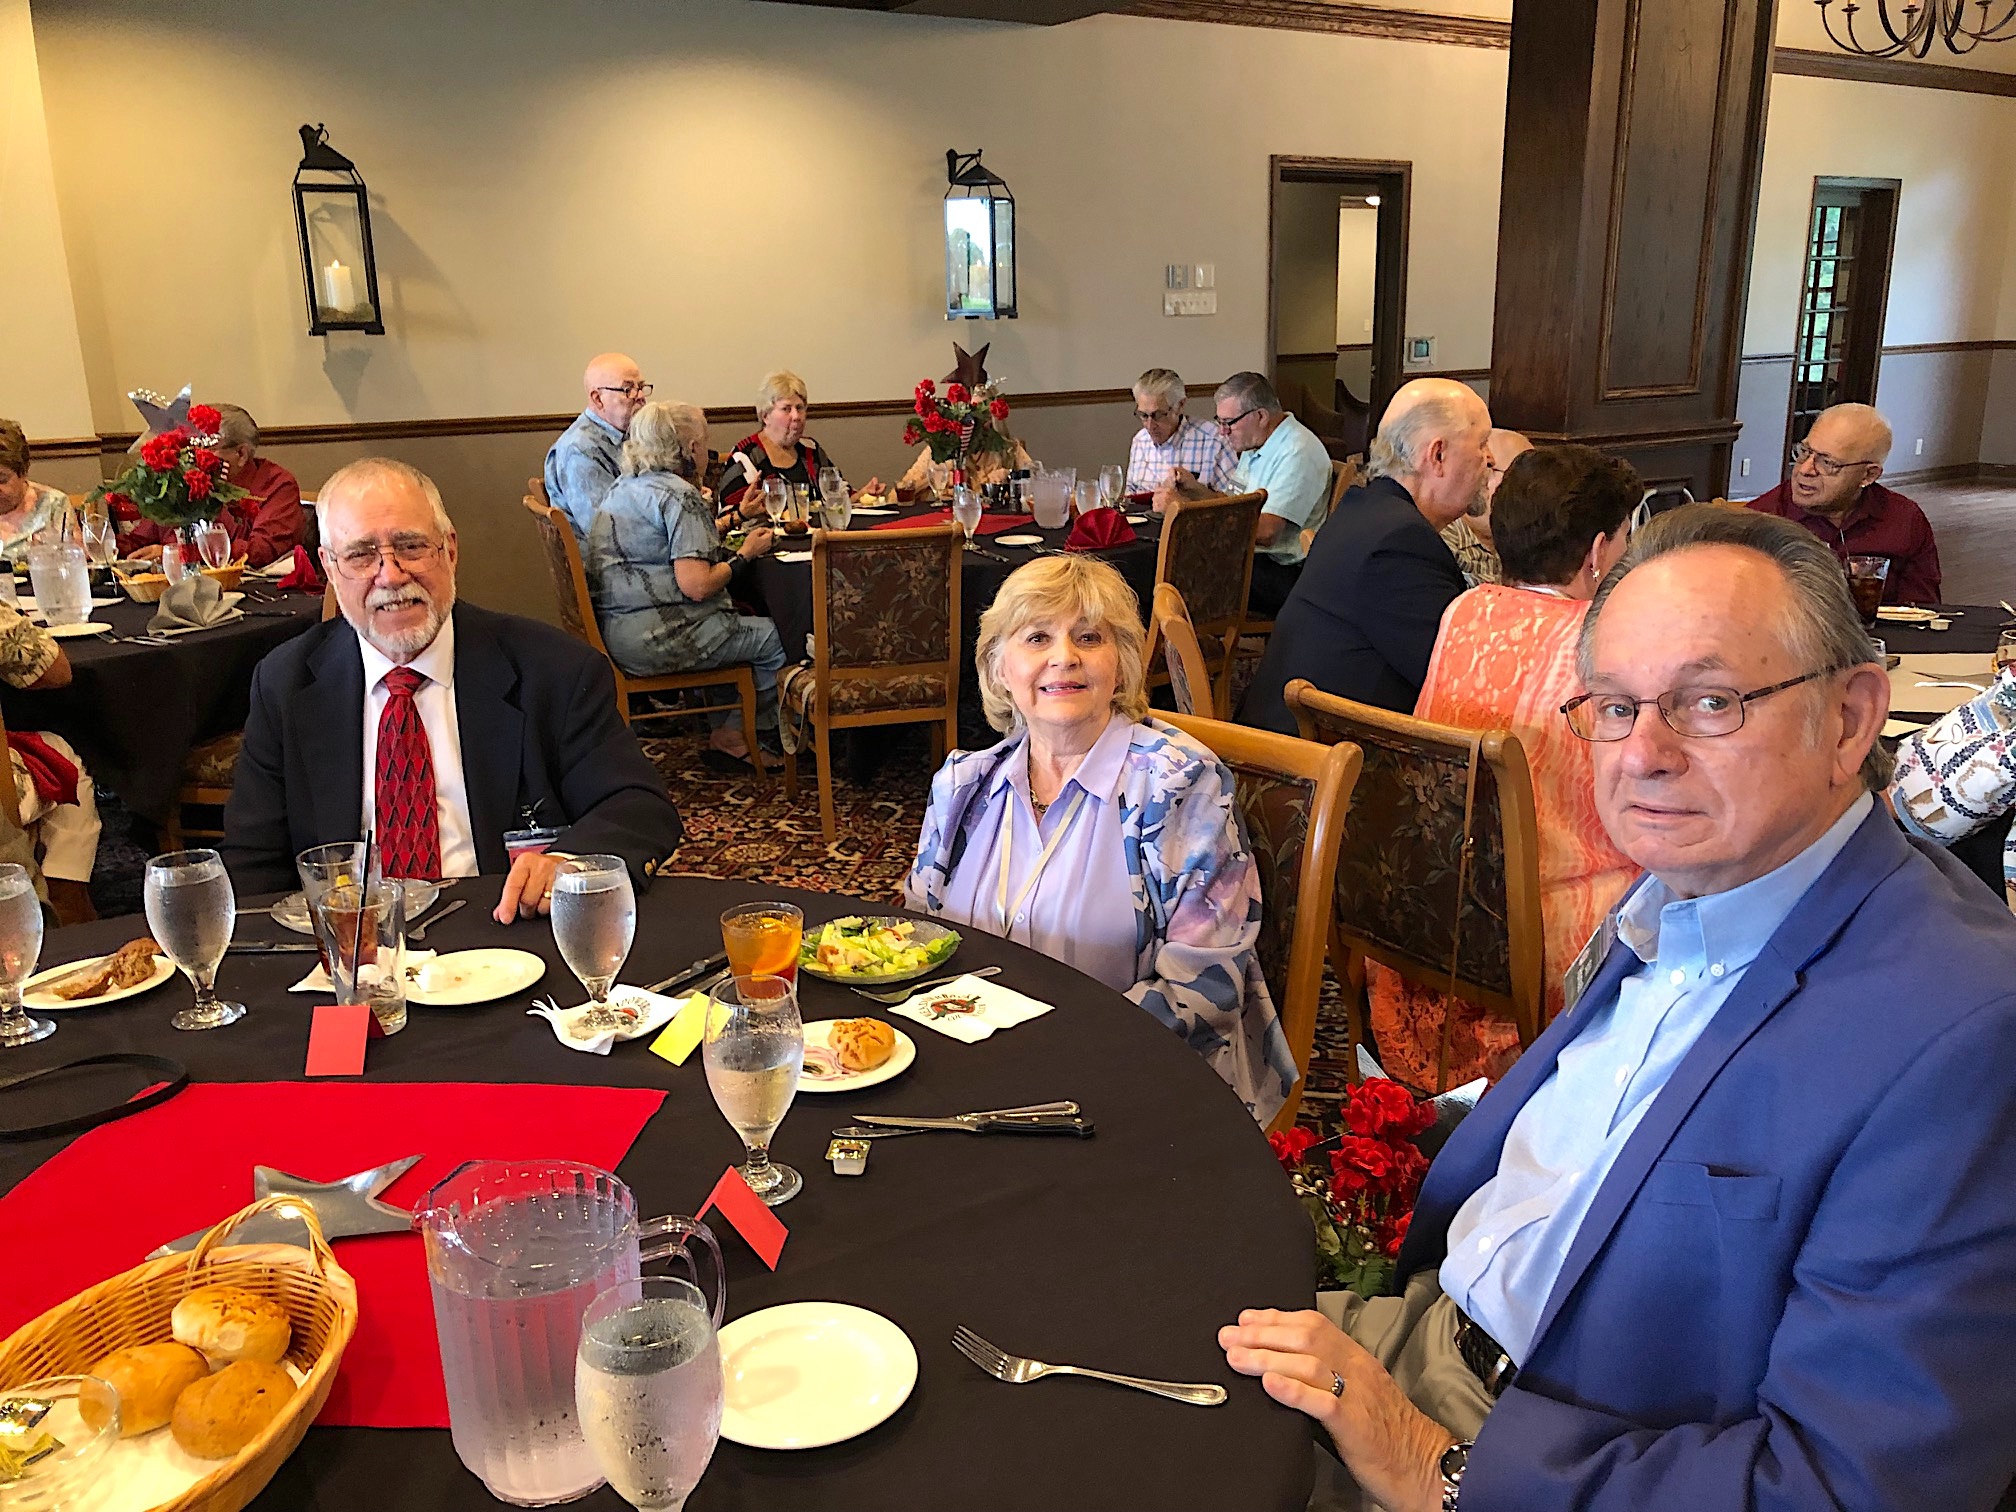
(1455, 1460)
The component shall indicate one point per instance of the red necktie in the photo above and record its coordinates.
(409, 830)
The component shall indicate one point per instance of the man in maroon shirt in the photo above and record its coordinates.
(1833, 492)
(265, 525)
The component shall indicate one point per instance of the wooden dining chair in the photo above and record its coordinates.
(1189, 680)
(576, 603)
(1206, 554)
(884, 644)
(1293, 796)
(1439, 877)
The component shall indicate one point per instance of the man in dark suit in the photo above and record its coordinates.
(1362, 617)
(1738, 1230)
(439, 726)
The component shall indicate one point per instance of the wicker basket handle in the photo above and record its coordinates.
(286, 1207)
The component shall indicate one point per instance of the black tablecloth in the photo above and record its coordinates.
(1974, 627)
(133, 712)
(1126, 1250)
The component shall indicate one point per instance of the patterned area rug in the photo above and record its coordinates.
(742, 829)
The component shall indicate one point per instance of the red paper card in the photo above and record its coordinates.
(188, 1162)
(336, 1039)
(753, 1221)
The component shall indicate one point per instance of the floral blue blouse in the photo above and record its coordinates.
(1196, 898)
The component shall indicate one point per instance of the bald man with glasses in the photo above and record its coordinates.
(584, 463)
(1832, 491)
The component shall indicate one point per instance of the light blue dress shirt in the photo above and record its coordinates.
(1508, 1242)
(582, 467)
(1294, 468)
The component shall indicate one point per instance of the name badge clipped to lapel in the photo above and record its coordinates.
(1590, 961)
(531, 837)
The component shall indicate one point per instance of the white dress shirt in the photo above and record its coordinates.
(435, 699)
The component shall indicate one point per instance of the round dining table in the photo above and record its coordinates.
(1125, 1251)
(133, 709)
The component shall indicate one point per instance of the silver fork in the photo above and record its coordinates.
(909, 990)
(1016, 1369)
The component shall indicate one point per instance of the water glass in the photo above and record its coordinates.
(20, 946)
(776, 498)
(101, 539)
(1086, 497)
(837, 514)
(594, 919)
(1866, 576)
(648, 1385)
(762, 939)
(754, 1049)
(361, 932)
(62, 580)
(190, 911)
(966, 510)
(213, 544)
(173, 567)
(1112, 484)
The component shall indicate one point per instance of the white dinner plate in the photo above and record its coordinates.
(466, 977)
(1907, 614)
(1018, 540)
(794, 556)
(291, 912)
(78, 632)
(807, 1374)
(50, 1003)
(899, 1061)
(1137, 519)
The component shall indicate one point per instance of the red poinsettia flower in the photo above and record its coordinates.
(205, 418)
(926, 388)
(206, 461)
(1347, 1183)
(925, 406)
(998, 409)
(1372, 1156)
(198, 482)
(912, 433)
(1290, 1145)
(1379, 1106)
(955, 393)
(161, 451)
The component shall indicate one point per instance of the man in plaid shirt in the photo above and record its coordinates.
(1169, 439)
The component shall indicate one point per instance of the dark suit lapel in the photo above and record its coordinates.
(493, 736)
(327, 719)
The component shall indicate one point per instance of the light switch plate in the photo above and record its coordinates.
(1190, 302)
(1204, 276)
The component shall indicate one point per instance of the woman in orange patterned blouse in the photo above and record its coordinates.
(1505, 659)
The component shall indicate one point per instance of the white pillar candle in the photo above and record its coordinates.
(339, 290)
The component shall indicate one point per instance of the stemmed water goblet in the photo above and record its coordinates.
(776, 499)
(190, 910)
(20, 946)
(594, 920)
(836, 503)
(213, 544)
(754, 1049)
(1112, 484)
(966, 510)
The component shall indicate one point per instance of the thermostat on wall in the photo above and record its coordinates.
(1420, 349)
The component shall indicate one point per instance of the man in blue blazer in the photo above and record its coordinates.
(1739, 1230)
(437, 724)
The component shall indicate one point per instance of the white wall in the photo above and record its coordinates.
(42, 376)
(1357, 273)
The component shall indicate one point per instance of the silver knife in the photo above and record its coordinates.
(686, 973)
(1047, 1124)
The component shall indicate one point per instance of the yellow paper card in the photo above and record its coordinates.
(677, 1039)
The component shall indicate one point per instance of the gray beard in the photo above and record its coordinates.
(406, 645)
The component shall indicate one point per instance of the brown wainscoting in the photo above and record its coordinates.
(1768, 356)
(68, 446)
(1950, 346)
(1858, 70)
(1311, 356)
(1333, 16)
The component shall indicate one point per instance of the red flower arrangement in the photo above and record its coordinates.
(959, 424)
(1361, 1196)
(179, 478)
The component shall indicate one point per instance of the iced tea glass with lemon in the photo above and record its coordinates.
(762, 940)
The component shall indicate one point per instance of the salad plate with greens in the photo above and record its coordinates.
(858, 949)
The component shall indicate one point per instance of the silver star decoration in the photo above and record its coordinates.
(162, 415)
(346, 1208)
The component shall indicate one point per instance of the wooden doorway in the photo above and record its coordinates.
(1849, 238)
(1334, 372)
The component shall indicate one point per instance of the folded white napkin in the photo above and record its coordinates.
(318, 979)
(635, 1012)
(971, 1008)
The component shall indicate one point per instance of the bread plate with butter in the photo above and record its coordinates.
(134, 968)
(844, 1055)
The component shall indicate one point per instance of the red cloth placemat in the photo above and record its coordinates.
(97, 1207)
(990, 524)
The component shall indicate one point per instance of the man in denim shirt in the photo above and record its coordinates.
(582, 466)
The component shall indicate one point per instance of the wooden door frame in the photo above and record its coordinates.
(1893, 189)
(1395, 180)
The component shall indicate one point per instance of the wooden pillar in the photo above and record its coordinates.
(1634, 136)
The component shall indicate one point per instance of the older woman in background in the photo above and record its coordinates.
(779, 448)
(26, 507)
(659, 574)
(1098, 835)
(1505, 659)
(691, 422)
(265, 525)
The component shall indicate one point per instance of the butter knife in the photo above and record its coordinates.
(1042, 1124)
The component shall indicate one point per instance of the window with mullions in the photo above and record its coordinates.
(1841, 298)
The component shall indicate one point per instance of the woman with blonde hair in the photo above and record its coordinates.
(779, 448)
(1098, 835)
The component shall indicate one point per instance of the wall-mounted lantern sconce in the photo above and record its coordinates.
(979, 241)
(332, 217)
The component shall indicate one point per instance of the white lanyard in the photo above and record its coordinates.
(1001, 903)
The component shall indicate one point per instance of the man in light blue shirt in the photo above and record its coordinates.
(583, 464)
(1738, 1229)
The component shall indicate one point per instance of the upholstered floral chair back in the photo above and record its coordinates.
(887, 596)
(1403, 863)
(1207, 556)
(563, 566)
(1292, 798)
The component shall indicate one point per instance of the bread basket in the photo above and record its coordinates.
(134, 1308)
(147, 587)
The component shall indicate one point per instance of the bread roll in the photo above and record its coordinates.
(861, 1044)
(148, 1378)
(229, 1323)
(221, 1414)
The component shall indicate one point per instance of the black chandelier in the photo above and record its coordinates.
(1919, 23)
